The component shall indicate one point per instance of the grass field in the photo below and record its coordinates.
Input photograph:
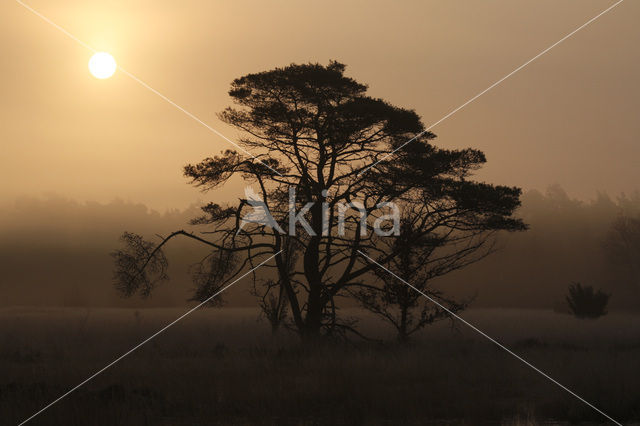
(222, 367)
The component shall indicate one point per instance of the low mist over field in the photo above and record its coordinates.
(55, 252)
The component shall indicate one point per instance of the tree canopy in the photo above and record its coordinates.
(315, 132)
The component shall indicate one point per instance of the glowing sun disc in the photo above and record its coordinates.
(102, 65)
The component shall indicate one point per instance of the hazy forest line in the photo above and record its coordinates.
(55, 252)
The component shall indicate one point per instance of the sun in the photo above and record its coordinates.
(102, 65)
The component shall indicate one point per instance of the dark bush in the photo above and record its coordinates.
(584, 302)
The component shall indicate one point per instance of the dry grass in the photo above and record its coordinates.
(221, 367)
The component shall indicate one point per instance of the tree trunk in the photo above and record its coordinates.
(403, 335)
(275, 326)
(313, 318)
(315, 301)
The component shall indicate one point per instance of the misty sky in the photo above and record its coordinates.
(568, 118)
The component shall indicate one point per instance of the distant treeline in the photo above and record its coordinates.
(56, 252)
(568, 241)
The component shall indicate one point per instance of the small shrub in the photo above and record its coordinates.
(584, 302)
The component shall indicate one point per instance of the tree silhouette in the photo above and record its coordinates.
(421, 260)
(315, 132)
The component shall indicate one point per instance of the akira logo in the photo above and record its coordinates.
(383, 225)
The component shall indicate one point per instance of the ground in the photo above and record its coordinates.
(220, 366)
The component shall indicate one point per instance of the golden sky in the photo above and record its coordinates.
(570, 118)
